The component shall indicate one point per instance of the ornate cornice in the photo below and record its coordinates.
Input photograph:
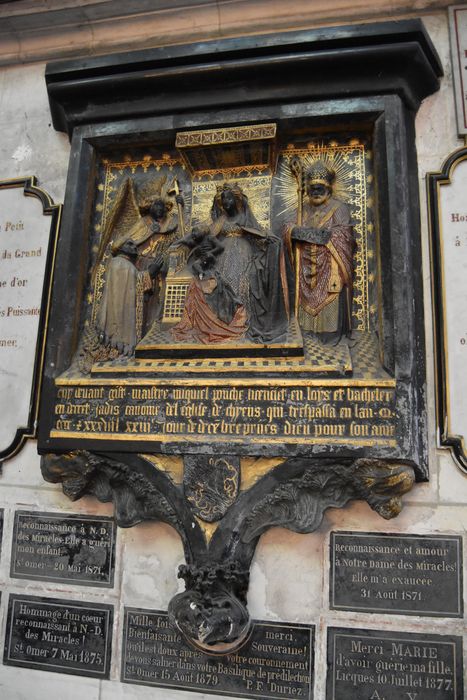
(38, 30)
(365, 60)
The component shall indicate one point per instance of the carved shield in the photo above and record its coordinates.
(211, 484)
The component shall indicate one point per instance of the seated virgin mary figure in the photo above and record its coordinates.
(246, 292)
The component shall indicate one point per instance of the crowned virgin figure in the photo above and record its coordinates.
(252, 264)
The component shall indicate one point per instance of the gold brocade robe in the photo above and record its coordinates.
(323, 272)
(120, 314)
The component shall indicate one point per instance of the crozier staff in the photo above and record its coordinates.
(322, 248)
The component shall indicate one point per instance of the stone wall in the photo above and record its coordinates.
(290, 573)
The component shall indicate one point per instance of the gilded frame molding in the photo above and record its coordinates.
(434, 181)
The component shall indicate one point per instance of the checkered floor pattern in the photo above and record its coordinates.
(365, 353)
(357, 357)
(318, 359)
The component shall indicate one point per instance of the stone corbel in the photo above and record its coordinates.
(212, 612)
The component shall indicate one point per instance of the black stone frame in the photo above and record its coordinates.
(359, 77)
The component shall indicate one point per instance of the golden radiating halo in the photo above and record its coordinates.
(334, 157)
(255, 187)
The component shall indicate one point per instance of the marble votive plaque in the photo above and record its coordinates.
(78, 549)
(275, 662)
(376, 665)
(398, 574)
(59, 635)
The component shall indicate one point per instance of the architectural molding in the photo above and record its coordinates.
(387, 58)
(38, 30)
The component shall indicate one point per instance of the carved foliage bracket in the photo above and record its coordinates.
(212, 612)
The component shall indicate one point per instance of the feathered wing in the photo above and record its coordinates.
(124, 214)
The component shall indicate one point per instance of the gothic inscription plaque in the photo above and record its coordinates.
(322, 412)
(400, 574)
(56, 547)
(59, 635)
(275, 662)
(393, 665)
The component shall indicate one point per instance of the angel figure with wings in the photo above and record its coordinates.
(132, 262)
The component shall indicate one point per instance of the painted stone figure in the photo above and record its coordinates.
(154, 232)
(119, 317)
(130, 270)
(204, 250)
(212, 312)
(245, 292)
(235, 226)
(321, 247)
